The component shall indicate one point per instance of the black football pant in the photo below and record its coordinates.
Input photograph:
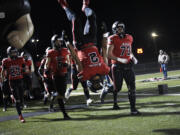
(6, 92)
(118, 74)
(16, 87)
(86, 33)
(60, 85)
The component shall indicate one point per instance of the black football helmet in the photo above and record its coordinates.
(12, 52)
(56, 42)
(96, 83)
(115, 27)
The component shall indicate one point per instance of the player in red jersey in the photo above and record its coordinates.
(120, 52)
(90, 63)
(4, 84)
(57, 62)
(46, 79)
(15, 66)
(27, 77)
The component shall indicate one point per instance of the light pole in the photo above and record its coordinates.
(154, 36)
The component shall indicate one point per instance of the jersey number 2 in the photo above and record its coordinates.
(93, 57)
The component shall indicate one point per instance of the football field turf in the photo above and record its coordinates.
(160, 113)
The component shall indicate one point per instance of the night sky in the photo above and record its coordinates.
(140, 17)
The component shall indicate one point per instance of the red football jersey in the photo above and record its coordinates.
(28, 64)
(58, 58)
(122, 46)
(14, 67)
(92, 62)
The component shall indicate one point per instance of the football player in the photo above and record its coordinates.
(120, 52)
(15, 66)
(16, 26)
(5, 88)
(27, 78)
(57, 62)
(46, 79)
(90, 63)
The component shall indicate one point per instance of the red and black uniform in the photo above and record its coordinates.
(120, 71)
(47, 79)
(5, 89)
(15, 69)
(58, 68)
(85, 38)
(92, 62)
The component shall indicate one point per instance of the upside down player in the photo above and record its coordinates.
(120, 51)
(56, 63)
(16, 26)
(14, 66)
(90, 64)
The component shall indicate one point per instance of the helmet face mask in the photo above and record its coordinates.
(12, 52)
(95, 83)
(118, 28)
(57, 42)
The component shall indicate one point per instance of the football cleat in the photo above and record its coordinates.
(25, 105)
(63, 3)
(103, 95)
(66, 117)
(67, 94)
(89, 102)
(51, 109)
(4, 109)
(21, 119)
(135, 112)
(116, 107)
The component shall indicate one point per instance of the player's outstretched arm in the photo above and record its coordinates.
(74, 56)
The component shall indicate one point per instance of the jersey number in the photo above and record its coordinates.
(15, 71)
(93, 57)
(124, 48)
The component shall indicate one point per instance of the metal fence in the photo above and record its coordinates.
(152, 67)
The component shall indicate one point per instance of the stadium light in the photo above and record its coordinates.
(153, 34)
(32, 40)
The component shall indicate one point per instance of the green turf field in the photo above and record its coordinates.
(160, 114)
